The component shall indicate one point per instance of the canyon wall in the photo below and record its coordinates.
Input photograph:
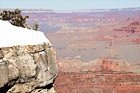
(97, 82)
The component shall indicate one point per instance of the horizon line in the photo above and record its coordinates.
(74, 9)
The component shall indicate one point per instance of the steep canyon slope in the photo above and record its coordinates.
(100, 58)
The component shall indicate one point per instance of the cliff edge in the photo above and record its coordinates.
(27, 61)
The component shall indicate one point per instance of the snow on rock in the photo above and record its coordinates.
(12, 35)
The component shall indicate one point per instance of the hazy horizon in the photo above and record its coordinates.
(69, 5)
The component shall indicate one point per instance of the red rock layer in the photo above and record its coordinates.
(99, 82)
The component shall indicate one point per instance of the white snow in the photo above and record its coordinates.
(1, 60)
(42, 52)
(12, 36)
(48, 68)
(4, 59)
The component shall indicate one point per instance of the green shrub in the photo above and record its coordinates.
(15, 18)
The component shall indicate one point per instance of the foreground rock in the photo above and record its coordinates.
(27, 60)
(27, 68)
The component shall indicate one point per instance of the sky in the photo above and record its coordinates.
(69, 4)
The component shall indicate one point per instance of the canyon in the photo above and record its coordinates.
(98, 51)
(97, 82)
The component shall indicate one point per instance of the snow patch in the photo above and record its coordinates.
(12, 35)
(48, 68)
(4, 59)
(1, 60)
(42, 52)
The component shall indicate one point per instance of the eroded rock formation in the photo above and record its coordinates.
(27, 68)
(27, 60)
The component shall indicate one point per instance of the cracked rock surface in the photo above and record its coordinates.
(28, 68)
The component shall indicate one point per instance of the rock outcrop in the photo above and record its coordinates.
(99, 65)
(27, 64)
(26, 68)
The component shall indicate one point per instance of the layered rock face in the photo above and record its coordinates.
(100, 62)
(99, 82)
(26, 68)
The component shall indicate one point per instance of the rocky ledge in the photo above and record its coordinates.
(27, 68)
